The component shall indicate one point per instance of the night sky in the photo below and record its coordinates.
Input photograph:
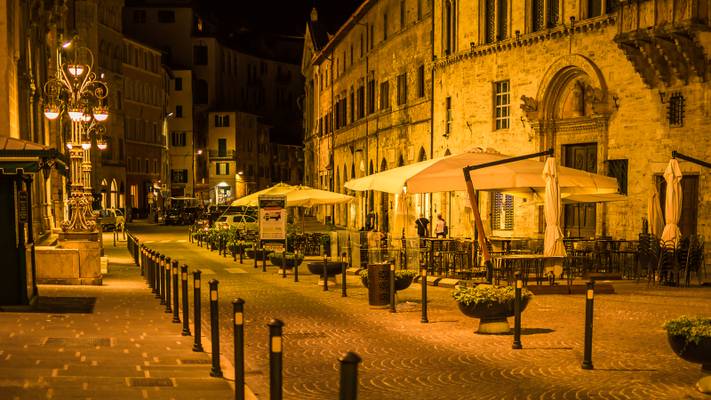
(281, 16)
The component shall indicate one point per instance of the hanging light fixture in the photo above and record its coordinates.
(51, 111)
(75, 69)
(76, 114)
(101, 143)
(101, 113)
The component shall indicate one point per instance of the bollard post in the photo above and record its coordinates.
(156, 274)
(241, 252)
(184, 287)
(161, 279)
(349, 376)
(255, 247)
(151, 275)
(283, 264)
(140, 261)
(166, 292)
(296, 267)
(197, 345)
(517, 313)
(263, 254)
(325, 274)
(238, 312)
(275, 359)
(214, 330)
(392, 287)
(587, 352)
(423, 283)
(176, 289)
(115, 237)
(343, 276)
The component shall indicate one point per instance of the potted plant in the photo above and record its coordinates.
(491, 304)
(403, 278)
(292, 259)
(333, 268)
(690, 338)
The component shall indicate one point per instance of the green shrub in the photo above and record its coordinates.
(487, 294)
(692, 329)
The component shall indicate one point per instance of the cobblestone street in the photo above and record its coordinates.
(444, 359)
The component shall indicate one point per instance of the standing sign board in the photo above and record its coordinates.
(272, 222)
(23, 206)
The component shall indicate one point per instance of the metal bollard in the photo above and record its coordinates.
(161, 279)
(156, 275)
(325, 274)
(214, 330)
(238, 312)
(349, 376)
(275, 359)
(343, 276)
(241, 252)
(197, 345)
(423, 283)
(176, 289)
(283, 265)
(184, 287)
(114, 235)
(150, 274)
(517, 313)
(263, 254)
(255, 249)
(587, 352)
(296, 268)
(141, 260)
(392, 287)
(166, 292)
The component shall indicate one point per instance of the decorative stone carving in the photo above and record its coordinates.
(529, 104)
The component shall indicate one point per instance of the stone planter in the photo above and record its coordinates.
(260, 254)
(401, 282)
(278, 260)
(695, 353)
(333, 268)
(492, 316)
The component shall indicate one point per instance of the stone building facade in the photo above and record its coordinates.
(181, 143)
(368, 107)
(612, 87)
(144, 113)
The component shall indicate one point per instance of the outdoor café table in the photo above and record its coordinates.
(505, 242)
(524, 264)
(437, 250)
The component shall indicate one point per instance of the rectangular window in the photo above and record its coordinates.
(385, 27)
(178, 111)
(371, 96)
(553, 13)
(502, 212)
(537, 19)
(402, 89)
(352, 110)
(227, 168)
(178, 84)
(490, 21)
(419, 10)
(675, 110)
(594, 8)
(403, 14)
(222, 147)
(449, 15)
(384, 95)
(618, 169)
(200, 55)
(448, 116)
(361, 102)
(361, 44)
(421, 81)
(217, 168)
(501, 104)
(502, 16)
(222, 121)
(139, 16)
(372, 36)
(177, 139)
(179, 175)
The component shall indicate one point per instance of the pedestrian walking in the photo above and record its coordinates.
(422, 224)
(440, 227)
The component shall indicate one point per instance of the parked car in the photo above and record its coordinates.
(110, 218)
(243, 222)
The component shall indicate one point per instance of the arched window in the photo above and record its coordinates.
(422, 156)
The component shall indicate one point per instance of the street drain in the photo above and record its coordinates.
(150, 382)
(106, 342)
(195, 361)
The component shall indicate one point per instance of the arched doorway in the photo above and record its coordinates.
(570, 114)
(104, 194)
(114, 194)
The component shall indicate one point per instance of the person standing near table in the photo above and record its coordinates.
(440, 227)
(422, 224)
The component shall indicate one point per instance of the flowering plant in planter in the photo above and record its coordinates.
(403, 278)
(692, 330)
(491, 304)
(690, 339)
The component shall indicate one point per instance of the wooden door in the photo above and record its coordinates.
(579, 219)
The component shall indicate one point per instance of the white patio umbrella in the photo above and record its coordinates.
(654, 214)
(444, 174)
(672, 202)
(252, 200)
(304, 196)
(553, 239)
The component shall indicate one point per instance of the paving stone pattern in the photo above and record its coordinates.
(126, 349)
(445, 359)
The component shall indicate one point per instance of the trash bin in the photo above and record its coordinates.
(379, 285)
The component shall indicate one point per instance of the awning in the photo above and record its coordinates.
(19, 156)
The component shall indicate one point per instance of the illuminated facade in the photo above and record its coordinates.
(612, 87)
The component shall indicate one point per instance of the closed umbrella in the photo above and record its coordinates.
(553, 240)
(654, 214)
(672, 202)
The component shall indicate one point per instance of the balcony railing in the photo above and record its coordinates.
(221, 155)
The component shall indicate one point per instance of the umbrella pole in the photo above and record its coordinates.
(481, 236)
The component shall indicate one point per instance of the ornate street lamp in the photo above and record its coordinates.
(77, 91)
